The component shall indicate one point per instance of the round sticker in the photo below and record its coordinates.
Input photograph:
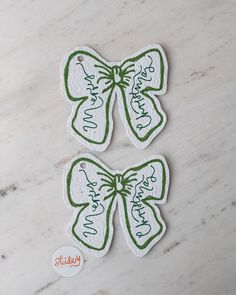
(67, 261)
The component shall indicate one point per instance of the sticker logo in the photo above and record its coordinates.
(67, 261)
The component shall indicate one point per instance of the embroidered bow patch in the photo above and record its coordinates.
(91, 84)
(94, 191)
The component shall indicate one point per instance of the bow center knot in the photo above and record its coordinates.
(119, 182)
(116, 74)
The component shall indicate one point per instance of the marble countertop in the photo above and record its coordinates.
(198, 253)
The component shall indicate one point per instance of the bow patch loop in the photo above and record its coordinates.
(116, 74)
(116, 184)
(119, 182)
(114, 77)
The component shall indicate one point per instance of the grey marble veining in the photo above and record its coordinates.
(198, 253)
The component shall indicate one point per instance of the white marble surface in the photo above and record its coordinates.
(198, 254)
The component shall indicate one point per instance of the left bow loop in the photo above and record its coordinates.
(89, 84)
(92, 226)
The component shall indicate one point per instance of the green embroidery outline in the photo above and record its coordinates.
(144, 246)
(107, 234)
(144, 92)
(145, 201)
(66, 71)
(108, 102)
(150, 132)
(107, 127)
(162, 66)
(84, 98)
(84, 205)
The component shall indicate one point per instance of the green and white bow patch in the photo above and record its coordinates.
(94, 191)
(91, 85)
